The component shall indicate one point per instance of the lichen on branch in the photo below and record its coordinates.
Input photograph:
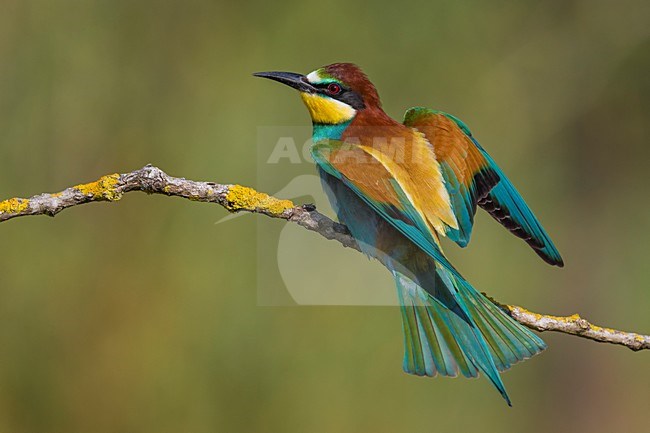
(245, 198)
(103, 189)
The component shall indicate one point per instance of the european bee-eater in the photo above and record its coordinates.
(400, 186)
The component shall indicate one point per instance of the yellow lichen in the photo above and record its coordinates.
(536, 316)
(102, 189)
(241, 197)
(14, 205)
(521, 311)
(604, 330)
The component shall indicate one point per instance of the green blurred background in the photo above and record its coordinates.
(142, 316)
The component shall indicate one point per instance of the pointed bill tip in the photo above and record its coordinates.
(262, 74)
(291, 79)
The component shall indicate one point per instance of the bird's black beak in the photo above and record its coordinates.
(297, 81)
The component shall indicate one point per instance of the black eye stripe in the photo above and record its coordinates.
(351, 98)
(323, 86)
(346, 95)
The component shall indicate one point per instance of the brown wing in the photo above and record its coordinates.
(468, 175)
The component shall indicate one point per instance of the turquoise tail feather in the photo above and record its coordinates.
(463, 333)
(449, 328)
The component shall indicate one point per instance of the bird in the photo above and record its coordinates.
(400, 187)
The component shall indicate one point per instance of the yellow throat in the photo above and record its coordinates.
(326, 110)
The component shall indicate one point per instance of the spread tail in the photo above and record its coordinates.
(451, 329)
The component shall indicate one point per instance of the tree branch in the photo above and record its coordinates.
(237, 198)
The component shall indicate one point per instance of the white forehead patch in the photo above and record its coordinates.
(313, 77)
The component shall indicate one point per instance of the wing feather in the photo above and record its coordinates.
(473, 178)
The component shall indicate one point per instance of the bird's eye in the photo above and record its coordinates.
(333, 89)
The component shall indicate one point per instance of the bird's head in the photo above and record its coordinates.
(333, 94)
